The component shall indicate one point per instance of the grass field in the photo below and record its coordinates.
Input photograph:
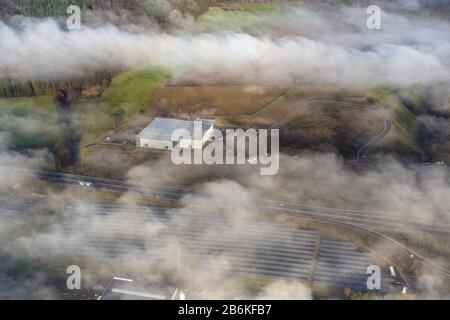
(404, 140)
(132, 91)
(129, 94)
(403, 118)
(239, 17)
(44, 103)
(30, 123)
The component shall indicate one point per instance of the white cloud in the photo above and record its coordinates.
(405, 52)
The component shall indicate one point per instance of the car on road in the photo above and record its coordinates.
(84, 183)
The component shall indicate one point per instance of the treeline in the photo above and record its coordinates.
(41, 8)
(79, 88)
(50, 8)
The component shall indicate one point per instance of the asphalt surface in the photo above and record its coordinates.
(367, 222)
(390, 221)
(364, 150)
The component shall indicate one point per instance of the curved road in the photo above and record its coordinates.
(362, 152)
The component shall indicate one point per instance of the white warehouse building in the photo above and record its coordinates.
(158, 133)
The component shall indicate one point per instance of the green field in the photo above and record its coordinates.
(131, 91)
(402, 116)
(129, 94)
(44, 103)
(30, 123)
(245, 17)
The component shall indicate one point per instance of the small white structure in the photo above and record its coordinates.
(158, 133)
(391, 268)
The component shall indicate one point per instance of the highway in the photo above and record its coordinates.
(390, 221)
(378, 220)
(366, 222)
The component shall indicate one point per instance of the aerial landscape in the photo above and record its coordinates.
(208, 149)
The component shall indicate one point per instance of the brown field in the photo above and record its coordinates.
(211, 100)
(330, 127)
(305, 123)
(244, 121)
(251, 105)
(113, 160)
(295, 101)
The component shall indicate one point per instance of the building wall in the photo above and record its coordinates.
(184, 143)
(197, 144)
(208, 134)
(190, 143)
(157, 144)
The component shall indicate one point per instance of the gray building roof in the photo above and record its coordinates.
(162, 128)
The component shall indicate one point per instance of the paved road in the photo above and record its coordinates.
(363, 221)
(371, 219)
(363, 151)
(387, 221)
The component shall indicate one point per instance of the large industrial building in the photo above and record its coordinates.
(158, 133)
